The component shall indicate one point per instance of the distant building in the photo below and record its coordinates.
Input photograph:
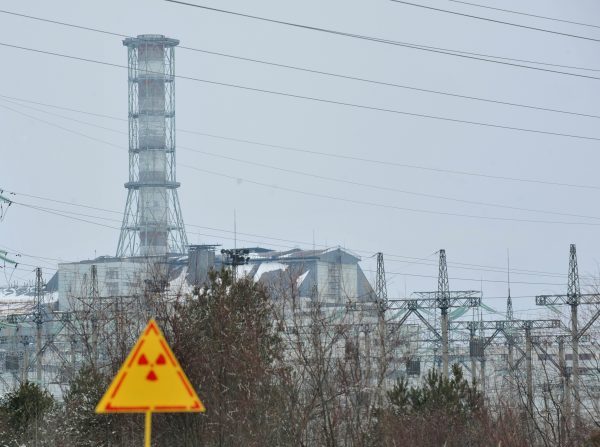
(334, 272)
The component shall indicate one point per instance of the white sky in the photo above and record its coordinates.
(42, 160)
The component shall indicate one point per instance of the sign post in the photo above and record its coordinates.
(150, 381)
(148, 429)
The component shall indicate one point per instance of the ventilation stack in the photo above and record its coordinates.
(152, 223)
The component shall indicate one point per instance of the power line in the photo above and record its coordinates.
(75, 216)
(66, 129)
(50, 211)
(407, 44)
(325, 73)
(330, 197)
(323, 100)
(382, 205)
(326, 154)
(334, 179)
(400, 86)
(68, 118)
(28, 255)
(390, 162)
(532, 28)
(66, 109)
(57, 22)
(469, 279)
(384, 188)
(455, 264)
(326, 177)
(63, 202)
(478, 267)
(438, 50)
(525, 14)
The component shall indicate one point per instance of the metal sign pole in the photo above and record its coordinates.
(148, 430)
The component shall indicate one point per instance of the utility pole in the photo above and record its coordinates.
(509, 341)
(380, 284)
(507, 328)
(565, 373)
(509, 306)
(95, 299)
(573, 298)
(511, 369)
(565, 381)
(26, 342)
(482, 374)
(428, 300)
(529, 366)
(382, 306)
(573, 294)
(38, 319)
(444, 299)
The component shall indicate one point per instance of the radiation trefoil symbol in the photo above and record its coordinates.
(160, 361)
(150, 380)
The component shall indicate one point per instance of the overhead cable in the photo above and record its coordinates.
(328, 101)
(364, 184)
(376, 39)
(410, 259)
(487, 19)
(323, 154)
(75, 216)
(537, 16)
(407, 44)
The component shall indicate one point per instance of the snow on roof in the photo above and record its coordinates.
(244, 270)
(180, 284)
(301, 278)
(21, 299)
(265, 267)
(297, 253)
(23, 294)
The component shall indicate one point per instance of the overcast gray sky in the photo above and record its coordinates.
(45, 160)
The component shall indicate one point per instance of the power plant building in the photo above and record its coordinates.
(153, 254)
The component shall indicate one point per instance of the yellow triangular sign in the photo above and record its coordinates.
(150, 380)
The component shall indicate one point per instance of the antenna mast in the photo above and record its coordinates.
(509, 307)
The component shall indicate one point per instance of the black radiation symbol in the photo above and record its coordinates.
(160, 361)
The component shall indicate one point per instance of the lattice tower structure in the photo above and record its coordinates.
(443, 285)
(573, 289)
(381, 284)
(509, 306)
(153, 222)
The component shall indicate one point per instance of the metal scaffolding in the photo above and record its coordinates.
(152, 223)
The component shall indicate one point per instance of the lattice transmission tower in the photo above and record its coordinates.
(152, 223)
(574, 298)
(509, 306)
(380, 284)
